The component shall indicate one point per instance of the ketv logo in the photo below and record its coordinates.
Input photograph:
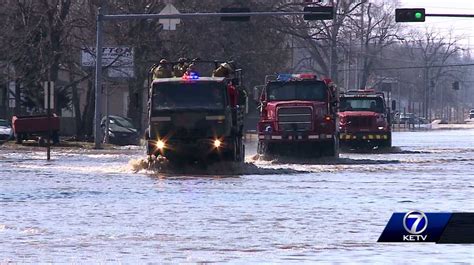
(415, 226)
(415, 223)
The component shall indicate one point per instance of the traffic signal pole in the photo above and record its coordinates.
(101, 17)
(449, 15)
(195, 15)
(419, 15)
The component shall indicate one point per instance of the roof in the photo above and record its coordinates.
(362, 93)
(179, 79)
(295, 81)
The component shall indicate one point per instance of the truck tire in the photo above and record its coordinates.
(19, 138)
(262, 148)
(387, 143)
(330, 149)
(41, 141)
(240, 148)
(149, 148)
(55, 137)
(235, 151)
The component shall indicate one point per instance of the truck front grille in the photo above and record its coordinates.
(295, 119)
(360, 122)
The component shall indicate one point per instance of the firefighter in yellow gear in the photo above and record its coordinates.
(224, 70)
(163, 70)
(191, 70)
(180, 68)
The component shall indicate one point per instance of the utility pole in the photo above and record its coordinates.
(333, 43)
(98, 81)
(425, 91)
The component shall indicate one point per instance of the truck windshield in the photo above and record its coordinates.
(361, 104)
(193, 95)
(313, 91)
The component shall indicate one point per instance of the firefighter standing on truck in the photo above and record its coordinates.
(163, 70)
(180, 69)
(225, 70)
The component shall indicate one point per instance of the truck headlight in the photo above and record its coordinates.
(217, 143)
(160, 145)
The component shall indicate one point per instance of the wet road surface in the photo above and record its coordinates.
(92, 207)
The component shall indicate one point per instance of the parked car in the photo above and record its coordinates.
(411, 118)
(421, 120)
(6, 131)
(121, 131)
(471, 114)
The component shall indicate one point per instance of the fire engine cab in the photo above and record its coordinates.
(298, 116)
(364, 119)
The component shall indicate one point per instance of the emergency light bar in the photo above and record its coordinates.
(191, 76)
(363, 93)
(295, 77)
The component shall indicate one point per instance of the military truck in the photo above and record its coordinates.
(193, 118)
(364, 119)
(298, 116)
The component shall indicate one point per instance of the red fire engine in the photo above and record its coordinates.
(364, 119)
(298, 115)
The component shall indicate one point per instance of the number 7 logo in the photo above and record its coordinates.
(415, 222)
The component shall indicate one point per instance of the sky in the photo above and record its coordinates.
(458, 26)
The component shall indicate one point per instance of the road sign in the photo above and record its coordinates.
(121, 72)
(169, 24)
(119, 60)
(116, 56)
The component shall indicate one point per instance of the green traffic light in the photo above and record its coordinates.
(418, 15)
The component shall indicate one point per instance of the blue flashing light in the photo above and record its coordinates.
(284, 77)
(191, 76)
(295, 77)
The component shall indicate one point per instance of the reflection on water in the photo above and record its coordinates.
(95, 207)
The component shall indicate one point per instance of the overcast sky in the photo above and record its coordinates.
(459, 26)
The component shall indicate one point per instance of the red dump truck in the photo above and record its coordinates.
(27, 127)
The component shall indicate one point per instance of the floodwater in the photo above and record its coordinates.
(95, 207)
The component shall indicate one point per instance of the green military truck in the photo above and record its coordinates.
(194, 118)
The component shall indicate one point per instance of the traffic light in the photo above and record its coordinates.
(321, 12)
(410, 15)
(235, 10)
(455, 85)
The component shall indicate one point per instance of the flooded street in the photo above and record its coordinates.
(92, 207)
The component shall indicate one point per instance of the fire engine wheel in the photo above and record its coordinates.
(261, 148)
(330, 149)
(387, 143)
